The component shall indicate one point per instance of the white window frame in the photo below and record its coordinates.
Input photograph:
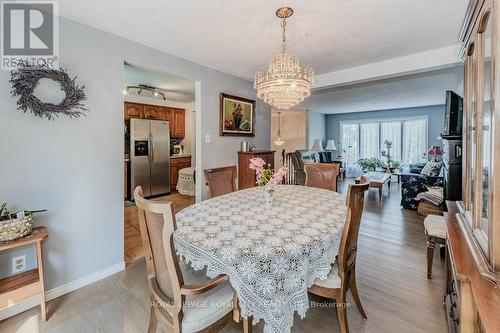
(387, 119)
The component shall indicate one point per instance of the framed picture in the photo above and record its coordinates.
(237, 116)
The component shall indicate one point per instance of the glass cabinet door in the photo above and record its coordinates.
(485, 123)
(472, 130)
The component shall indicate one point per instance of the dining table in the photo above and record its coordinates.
(272, 253)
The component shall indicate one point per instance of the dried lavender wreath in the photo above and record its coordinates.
(26, 79)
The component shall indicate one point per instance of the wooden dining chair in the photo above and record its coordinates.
(179, 295)
(220, 181)
(342, 276)
(322, 175)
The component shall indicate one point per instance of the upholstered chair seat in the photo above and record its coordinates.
(201, 311)
(333, 280)
(435, 226)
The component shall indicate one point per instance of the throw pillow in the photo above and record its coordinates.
(432, 169)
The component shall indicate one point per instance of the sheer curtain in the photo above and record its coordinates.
(369, 141)
(415, 140)
(391, 131)
(350, 145)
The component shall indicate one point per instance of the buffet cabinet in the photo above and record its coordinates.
(246, 176)
(473, 224)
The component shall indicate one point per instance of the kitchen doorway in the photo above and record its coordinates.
(159, 145)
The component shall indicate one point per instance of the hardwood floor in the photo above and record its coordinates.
(133, 241)
(392, 281)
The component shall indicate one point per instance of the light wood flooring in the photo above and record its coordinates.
(133, 242)
(392, 282)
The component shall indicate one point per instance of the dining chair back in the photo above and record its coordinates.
(355, 200)
(322, 175)
(221, 180)
(342, 276)
(165, 276)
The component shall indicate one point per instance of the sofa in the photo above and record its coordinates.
(413, 183)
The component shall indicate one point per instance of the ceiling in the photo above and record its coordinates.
(179, 90)
(238, 37)
(402, 92)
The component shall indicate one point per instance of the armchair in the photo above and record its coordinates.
(413, 183)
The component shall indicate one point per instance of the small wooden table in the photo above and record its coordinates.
(377, 180)
(18, 288)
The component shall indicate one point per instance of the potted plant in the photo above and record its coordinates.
(370, 164)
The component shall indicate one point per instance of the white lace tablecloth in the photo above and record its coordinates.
(272, 254)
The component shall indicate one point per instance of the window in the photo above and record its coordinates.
(369, 145)
(414, 140)
(391, 131)
(367, 139)
(350, 142)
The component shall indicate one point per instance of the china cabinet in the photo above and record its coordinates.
(473, 225)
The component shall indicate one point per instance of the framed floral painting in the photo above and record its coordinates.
(237, 116)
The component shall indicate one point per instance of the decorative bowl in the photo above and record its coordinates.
(15, 228)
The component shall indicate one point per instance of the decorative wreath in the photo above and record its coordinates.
(24, 81)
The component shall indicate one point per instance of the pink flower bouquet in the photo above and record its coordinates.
(265, 175)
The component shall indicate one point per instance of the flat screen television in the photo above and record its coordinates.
(453, 114)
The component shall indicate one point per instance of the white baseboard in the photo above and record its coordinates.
(61, 290)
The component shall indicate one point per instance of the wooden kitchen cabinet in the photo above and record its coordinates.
(152, 112)
(177, 121)
(125, 180)
(164, 113)
(133, 110)
(176, 164)
(175, 116)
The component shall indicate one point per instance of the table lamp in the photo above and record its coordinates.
(434, 153)
(330, 146)
(316, 147)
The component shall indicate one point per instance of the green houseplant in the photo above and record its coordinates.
(370, 164)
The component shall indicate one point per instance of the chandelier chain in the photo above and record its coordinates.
(283, 25)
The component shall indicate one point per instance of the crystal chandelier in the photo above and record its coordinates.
(284, 83)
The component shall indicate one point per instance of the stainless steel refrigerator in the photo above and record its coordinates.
(150, 156)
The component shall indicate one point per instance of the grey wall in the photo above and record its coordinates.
(435, 120)
(74, 167)
(316, 128)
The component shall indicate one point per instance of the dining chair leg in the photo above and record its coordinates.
(342, 313)
(247, 325)
(236, 308)
(355, 295)
(153, 322)
(431, 244)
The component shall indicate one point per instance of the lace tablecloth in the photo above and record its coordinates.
(272, 254)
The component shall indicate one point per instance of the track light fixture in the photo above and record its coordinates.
(155, 91)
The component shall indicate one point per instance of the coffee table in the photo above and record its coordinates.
(377, 180)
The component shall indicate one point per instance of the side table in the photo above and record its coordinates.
(18, 288)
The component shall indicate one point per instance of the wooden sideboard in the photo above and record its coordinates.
(177, 163)
(473, 224)
(175, 116)
(246, 176)
(472, 303)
